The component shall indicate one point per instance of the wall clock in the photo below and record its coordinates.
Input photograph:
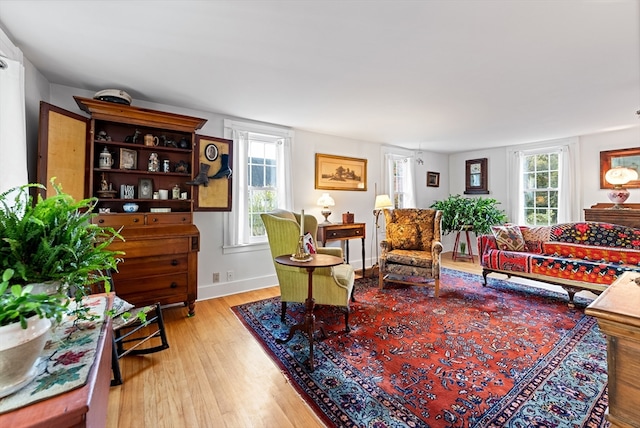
(476, 177)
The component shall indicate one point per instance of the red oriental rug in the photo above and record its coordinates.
(503, 355)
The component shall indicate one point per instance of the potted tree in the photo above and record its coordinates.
(473, 214)
(43, 241)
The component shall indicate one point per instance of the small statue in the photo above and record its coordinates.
(167, 142)
(182, 167)
(154, 163)
(133, 138)
(104, 186)
(103, 136)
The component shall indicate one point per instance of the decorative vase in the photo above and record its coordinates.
(19, 352)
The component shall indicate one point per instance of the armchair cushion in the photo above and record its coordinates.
(404, 236)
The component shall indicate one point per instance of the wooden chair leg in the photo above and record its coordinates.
(346, 321)
(283, 311)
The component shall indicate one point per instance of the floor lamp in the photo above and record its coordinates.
(382, 202)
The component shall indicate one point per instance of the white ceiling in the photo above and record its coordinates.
(447, 76)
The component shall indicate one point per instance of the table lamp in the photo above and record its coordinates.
(326, 201)
(618, 176)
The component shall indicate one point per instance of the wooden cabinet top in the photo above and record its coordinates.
(602, 212)
(620, 302)
(122, 113)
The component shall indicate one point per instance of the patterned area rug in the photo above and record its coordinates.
(66, 360)
(503, 355)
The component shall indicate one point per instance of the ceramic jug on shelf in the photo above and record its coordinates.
(105, 161)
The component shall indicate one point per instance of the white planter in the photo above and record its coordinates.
(19, 351)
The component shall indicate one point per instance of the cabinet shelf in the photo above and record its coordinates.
(142, 172)
(136, 146)
(146, 201)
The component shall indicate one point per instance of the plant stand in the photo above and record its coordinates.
(456, 254)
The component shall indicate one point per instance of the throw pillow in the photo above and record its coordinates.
(403, 236)
(120, 306)
(508, 237)
(309, 246)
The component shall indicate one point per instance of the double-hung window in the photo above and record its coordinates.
(399, 178)
(541, 186)
(261, 172)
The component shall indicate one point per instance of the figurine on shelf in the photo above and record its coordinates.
(133, 138)
(103, 183)
(103, 136)
(182, 167)
(154, 163)
(106, 189)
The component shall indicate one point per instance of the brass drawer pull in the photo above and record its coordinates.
(135, 220)
(174, 262)
(174, 285)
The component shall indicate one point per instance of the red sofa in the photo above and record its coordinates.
(576, 256)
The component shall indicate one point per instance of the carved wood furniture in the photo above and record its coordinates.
(342, 232)
(618, 312)
(626, 217)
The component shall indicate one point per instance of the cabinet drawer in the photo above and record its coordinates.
(161, 285)
(344, 233)
(151, 247)
(117, 220)
(173, 218)
(136, 267)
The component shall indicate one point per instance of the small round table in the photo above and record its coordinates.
(308, 326)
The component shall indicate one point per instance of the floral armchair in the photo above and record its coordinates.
(331, 286)
(412, 248)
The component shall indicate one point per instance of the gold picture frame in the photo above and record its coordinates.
(340, 173)
(128, 159)
(629, 158)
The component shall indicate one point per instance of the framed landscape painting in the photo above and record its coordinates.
(340, 173)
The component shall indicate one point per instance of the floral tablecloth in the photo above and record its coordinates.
(66, 360)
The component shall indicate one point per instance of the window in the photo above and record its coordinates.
(541, 186)
(261, 171)
(400, 182)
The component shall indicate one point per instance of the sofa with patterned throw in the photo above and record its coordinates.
(577, 256)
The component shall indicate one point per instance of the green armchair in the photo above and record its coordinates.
(331, 286)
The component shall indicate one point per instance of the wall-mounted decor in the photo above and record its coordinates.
(433, 179)
(476, 177)
(128, 159)
(629, 158)
(340, 173)
(216, 154)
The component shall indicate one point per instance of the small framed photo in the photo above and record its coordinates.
(211, 152)
(128, 159)
(433, 179)
(145, 188)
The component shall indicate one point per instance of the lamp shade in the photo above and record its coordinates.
(620, 175)
(326, 201)
(382, 202)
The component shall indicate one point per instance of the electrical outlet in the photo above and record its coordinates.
(229, 275)
(216, 277)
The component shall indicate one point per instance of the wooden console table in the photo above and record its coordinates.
(618, 312)
(626, 217)
(342, 232)
(81, 407)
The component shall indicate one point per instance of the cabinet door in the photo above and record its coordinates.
(216, 155)
(62, 150)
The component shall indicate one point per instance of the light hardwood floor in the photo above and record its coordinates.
(215, 374)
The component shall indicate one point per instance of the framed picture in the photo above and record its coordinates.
(433, 179)
(211, 152)
(340, 173)
(476, 177)
(145, 188)
(629, 158)
(128, 159)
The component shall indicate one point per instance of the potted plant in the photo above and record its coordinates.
(473, 214)
(44, 240)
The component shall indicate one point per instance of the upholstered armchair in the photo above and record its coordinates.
(412, 247)
(331, 286)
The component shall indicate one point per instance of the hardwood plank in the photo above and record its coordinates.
(213, 374)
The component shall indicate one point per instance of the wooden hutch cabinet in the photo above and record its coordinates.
(630, 216)
(108, 158)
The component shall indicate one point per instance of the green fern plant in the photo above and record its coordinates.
(475, 214)
(53, 239)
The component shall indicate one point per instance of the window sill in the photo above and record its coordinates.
(245, 248)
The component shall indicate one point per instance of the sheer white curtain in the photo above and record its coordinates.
(13, 144)
(569, 197)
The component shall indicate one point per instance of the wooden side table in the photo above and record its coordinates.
(308, 326)
(342, 232)
(456, 253)
(618, 312)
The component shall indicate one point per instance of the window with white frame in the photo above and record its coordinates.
(400, 181)
(540, 187)
(262, 169)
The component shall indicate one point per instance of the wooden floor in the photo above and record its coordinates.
(213, 375)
